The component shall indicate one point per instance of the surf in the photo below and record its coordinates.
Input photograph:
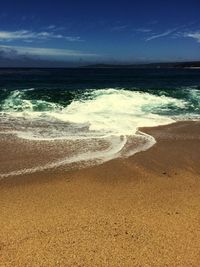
(112, 116)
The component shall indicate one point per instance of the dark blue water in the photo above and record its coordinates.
(98, 78)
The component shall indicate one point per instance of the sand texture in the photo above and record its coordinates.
(139, 211)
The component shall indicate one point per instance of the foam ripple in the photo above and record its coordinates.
(109, 114)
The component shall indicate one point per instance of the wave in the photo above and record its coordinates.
(17, 102)
(98, 113)
(112, 115)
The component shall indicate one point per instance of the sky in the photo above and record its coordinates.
(61, 33)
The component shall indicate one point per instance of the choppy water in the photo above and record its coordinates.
(95, 106)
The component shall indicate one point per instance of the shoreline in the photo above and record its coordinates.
(138, 211)
(12, 144)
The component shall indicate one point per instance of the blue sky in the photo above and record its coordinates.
(99, 31)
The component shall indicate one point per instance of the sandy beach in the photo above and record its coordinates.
(139, 211)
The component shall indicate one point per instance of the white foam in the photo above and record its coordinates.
(108, 114)
(91, 158)
(118, 111)
(110, 111)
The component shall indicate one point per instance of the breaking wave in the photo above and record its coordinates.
(111, 116)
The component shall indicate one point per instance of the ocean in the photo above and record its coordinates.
(95, 113)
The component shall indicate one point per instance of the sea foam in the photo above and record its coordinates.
(109, 114)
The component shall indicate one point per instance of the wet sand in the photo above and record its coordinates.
(140, 211)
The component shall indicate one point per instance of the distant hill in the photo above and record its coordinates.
(192, 64)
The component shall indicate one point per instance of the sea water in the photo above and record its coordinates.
(101, 110)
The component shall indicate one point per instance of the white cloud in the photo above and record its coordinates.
(166, 33)
(44, 52)
(51, 27)
(143, 30)
(178, 32)
(194, 35)
(30, 35)
(119, 28)
(73, 38)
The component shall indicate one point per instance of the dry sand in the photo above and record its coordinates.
(140, 211)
